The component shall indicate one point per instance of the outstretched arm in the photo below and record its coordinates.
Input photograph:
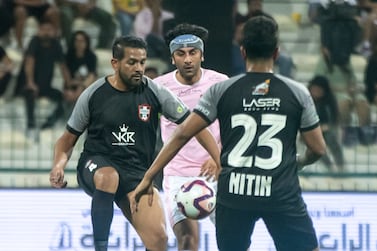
(62, 152)
(184, 132)
(211, 168)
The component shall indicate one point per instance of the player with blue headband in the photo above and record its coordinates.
(186, 40)
(189, 81)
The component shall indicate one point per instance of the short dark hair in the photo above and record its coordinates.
(186, 28)
(321, 81)
(260, 37)
(127, 41)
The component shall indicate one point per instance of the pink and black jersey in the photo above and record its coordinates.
(190, 158)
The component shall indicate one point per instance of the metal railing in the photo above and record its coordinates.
(25, 162)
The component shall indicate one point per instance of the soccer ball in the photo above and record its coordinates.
(196, 199)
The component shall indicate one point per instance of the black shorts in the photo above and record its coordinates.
(289, 233)
(87, 166)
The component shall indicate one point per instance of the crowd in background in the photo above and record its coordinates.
(334, 86)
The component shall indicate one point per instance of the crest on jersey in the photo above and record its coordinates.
(144, 112)
(262, 88)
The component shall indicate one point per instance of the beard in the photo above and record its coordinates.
(130, 83)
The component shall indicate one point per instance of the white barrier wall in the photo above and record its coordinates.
(59, 220)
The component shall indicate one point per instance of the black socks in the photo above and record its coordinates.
(102, 212)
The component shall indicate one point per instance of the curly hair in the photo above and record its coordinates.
(186, 28)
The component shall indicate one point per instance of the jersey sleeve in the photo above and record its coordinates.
(206, 108)
(171, 106)
(207, 105)
(80, 116)
(309, 116)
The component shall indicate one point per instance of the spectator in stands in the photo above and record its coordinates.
(125, 12)
(149, 25)
(313, 6)
(6, 17)
(284, 62)
(38, 9)
(365, 12)
(238, 63)
(87, 9)
(368, 21)
(370, 75)
(37, 73)
(327, 109)
(6, 68)
(349, 96)
(339, 33)
(82, 66)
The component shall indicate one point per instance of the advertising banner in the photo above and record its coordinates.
(59, 220)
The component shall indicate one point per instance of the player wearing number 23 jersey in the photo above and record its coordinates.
(259, 116)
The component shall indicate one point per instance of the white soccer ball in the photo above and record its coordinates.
(196, 199)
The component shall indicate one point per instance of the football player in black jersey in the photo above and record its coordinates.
(260, 114)
(120, 113)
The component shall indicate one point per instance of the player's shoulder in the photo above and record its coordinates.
(156, 86)
(220, 88)
(164, 78)
(96, 85)
(214, 75)
(93, 92)
(292, 84)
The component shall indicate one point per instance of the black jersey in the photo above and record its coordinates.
(260, 115)
(121, 125)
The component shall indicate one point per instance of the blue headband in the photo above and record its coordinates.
(186, 40)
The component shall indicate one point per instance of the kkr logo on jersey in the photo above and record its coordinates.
(124, 137)
(144, 112)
